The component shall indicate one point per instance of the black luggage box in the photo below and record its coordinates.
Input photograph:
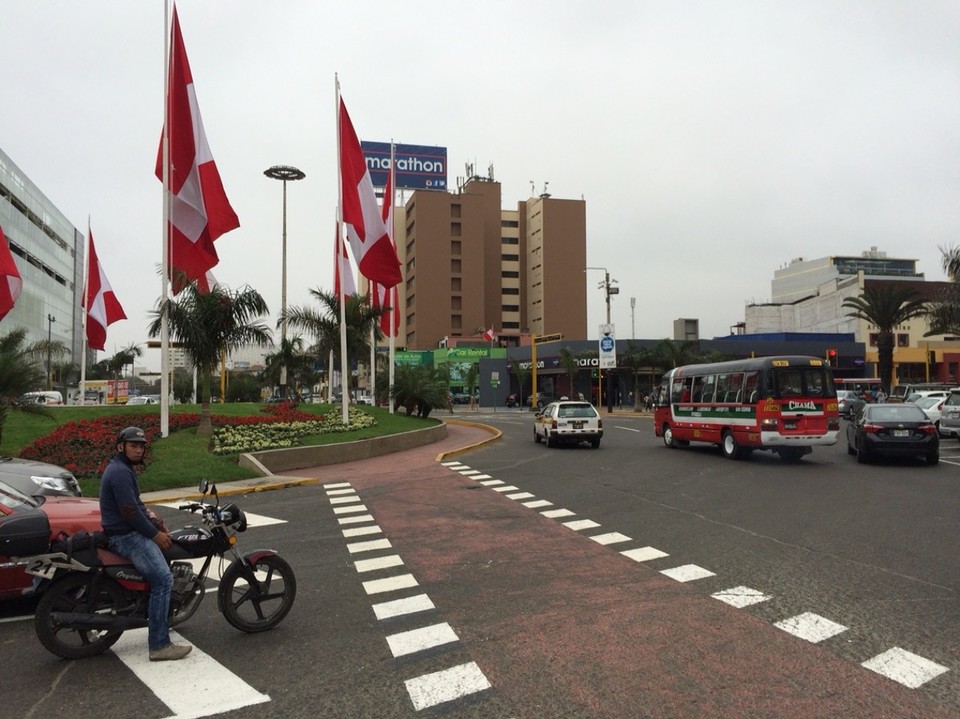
(24, 533)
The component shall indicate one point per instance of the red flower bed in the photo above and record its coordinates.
(84, 447)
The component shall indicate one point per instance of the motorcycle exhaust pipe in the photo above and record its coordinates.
(97, 622)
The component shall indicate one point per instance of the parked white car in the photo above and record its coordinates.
(933, 408)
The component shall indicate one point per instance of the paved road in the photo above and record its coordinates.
(436, 585)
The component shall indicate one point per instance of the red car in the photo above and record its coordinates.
(27, 524)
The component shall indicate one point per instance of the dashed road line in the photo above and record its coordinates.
(900, 665)
(428, 690)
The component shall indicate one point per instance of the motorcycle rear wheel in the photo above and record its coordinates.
(72, 594)
(261, 607)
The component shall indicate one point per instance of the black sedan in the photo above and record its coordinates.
(893, 430)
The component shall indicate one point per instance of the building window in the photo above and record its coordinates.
(873, 339)
(903, 340)
(455, 248)
(509, 258)
(455, 210)
(455, 267)
(455, 284)
(511, 291)
(510, 274)
(456, 302)
(456, 229)
(456, 322)
(510, 308)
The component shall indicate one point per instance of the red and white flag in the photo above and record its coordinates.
(199, 209)
(383, 296)
(489, 335)
(342, 269)
(10, 282)
(102, 306)
(368, 236)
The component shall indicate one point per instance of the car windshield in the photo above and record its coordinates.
(896, 413)
(577, 410)
(928, 402)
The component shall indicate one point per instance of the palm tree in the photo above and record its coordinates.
(21, 371)
(324, 324)
(289, 355)
(126, 356)
(522, 375)
(210, 323)
(418, 388)
(885, 305)
(944, 315)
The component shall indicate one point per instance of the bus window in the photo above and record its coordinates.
(729, 386)
(709, 387)
(751, 387)
(816, 381)
(788, 383)
(681, 390)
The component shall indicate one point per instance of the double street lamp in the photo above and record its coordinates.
(284, 173)
(608, 290)
(50, 320)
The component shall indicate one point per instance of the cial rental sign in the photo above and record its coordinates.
(419, 167)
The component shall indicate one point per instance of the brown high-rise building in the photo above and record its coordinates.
(469, 265)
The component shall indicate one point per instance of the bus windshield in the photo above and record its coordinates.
(801, 382)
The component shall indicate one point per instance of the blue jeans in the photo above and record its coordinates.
(148, 559)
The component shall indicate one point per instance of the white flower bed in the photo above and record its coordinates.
(258, 437)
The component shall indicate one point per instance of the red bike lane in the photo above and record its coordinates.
(562, 626)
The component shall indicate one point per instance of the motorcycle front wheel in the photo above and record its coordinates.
(262, 604)
(72, 594)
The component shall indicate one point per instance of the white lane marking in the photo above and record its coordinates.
(431, 689)
(492, 482)
(629, 429)
(369, 546)
(688, 573)
(470, 472)
(482, 476)
(457, 466)
(340, 492)
(401, 607)
(184, 686)
(344, 500)
(253, 520)
(811, 627)
(520, 495)
(538, 503)
(904, 667)
(362, 531)
(452, 463)
(506, 488)
(355, 520)
(350, 510)
(390, 584)
(741, 597)
(554, 513)
(335, 485)
(610, 538)
(644, 554)
(417, 640)
(577, 524)
(370, 565)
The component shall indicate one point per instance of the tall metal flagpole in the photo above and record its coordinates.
(344, 369)
(394, 293)
(84, 319)
(164, 292)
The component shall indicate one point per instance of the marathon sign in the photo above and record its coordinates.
(418, 167)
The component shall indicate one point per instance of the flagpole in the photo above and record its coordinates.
(344, 389)
(83, 324)
(394, 292)
(165, 264)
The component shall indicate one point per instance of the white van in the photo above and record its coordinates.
(50, 399)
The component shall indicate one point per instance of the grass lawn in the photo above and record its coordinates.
(181, 459)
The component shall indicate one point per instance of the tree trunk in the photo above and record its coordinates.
(885, 359)
(205, 428)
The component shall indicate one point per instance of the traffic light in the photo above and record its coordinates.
(832, 357)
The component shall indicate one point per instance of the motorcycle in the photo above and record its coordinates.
(89, 598)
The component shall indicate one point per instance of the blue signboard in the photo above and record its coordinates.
(419, 167)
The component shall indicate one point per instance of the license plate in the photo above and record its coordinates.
(40, 568)
(901, 433)
(789, 425)
(577, 425)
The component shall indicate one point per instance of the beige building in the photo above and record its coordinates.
(470, 265)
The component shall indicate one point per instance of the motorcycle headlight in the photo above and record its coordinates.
(233, 516)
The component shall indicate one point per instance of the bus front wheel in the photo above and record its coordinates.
(668, 439)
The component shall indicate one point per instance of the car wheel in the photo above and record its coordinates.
(595, 442)
(551, 442)
(729, 445)
(850, 450)
(933, 458)
(862, 457)
(536, 436)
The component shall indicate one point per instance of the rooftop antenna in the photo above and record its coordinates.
(533, 188)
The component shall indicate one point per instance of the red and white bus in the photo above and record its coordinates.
(785, 404)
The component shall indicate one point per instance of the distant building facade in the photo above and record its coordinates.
(49, 253)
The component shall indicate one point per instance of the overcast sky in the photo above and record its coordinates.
(712, 141)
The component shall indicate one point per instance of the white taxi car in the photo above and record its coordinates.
(568, 421)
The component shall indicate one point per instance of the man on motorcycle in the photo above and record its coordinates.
(131, 532)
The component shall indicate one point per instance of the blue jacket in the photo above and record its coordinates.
(121, 508)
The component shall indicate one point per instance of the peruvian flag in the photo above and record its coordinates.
(102, 306)
(489, 335)
(199, 209)
(368, 236)
(10, 282)
(384, 296)
(342, 269)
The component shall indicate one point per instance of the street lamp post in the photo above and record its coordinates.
(607, 291)
(284, 173)
(633, 324)
(50, 320)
